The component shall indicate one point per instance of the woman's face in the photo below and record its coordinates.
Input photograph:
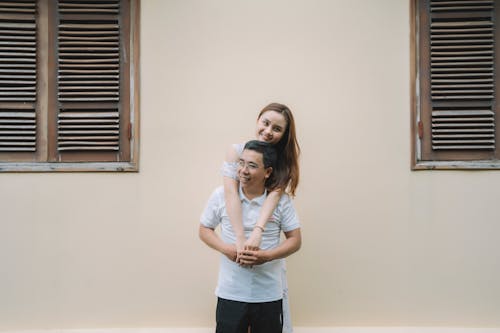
(271, 127)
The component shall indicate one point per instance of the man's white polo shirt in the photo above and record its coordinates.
(261, 283)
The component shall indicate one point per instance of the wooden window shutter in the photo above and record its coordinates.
(92, 81)
(69, 73)
(18, 78)
(457, 112)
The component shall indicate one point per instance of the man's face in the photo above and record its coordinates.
(251, 171)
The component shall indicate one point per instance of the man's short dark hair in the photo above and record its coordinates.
(269, 153)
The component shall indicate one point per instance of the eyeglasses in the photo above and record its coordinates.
(250, 165)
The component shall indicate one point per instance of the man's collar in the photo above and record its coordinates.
(258, 200)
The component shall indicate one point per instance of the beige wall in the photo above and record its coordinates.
(382, 245)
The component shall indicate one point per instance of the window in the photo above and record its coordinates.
(455, 112)
(69, 85)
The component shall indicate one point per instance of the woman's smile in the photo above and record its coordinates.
(271, 127)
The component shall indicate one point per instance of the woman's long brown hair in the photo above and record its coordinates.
(286, 175)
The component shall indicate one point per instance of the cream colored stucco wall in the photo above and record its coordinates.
(382, 245)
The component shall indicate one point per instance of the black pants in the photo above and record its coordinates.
(236, 317)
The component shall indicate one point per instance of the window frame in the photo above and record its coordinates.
(417, 126)
(40, 163)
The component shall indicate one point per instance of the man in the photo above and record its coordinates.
(250, 292)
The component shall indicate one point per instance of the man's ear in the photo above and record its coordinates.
(269, 171)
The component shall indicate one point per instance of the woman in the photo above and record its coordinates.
(276, 125)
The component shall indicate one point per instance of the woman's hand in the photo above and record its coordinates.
(253, 242)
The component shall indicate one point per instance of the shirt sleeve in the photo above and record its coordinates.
(230, 169)
(289, 219)
(211, 216)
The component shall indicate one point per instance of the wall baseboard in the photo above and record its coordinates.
(296, 330)
(395, 330)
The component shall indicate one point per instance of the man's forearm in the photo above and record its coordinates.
(209, 237)
(289, 246)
